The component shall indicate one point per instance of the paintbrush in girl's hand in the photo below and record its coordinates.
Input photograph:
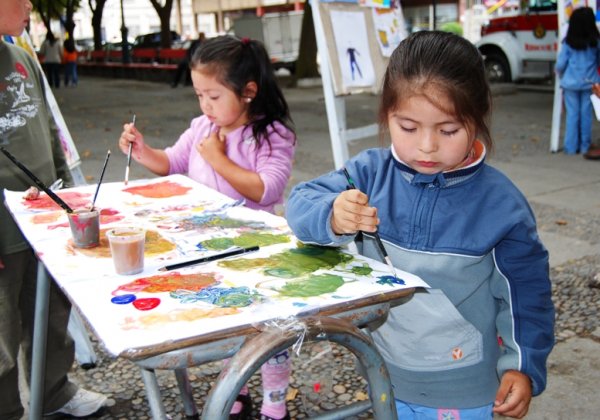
(129, 156)
(37, 181)
(100, 180)
(374, 235)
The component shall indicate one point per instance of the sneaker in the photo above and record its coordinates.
(83, 403)
(592, 154)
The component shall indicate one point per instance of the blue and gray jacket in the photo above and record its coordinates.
(471, 235)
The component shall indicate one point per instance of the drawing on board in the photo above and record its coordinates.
(389, 25)
(352, 46)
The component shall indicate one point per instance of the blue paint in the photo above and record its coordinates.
(123, 299)
(234, 297)
(390, 280)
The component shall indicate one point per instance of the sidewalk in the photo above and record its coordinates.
(564, 192)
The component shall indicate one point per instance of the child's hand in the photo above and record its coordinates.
(131, 135)
(596, 89)
(212, 148)
(351, 213)
(514, 395)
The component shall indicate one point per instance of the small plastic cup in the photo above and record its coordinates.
(85, 227)
(127, 249)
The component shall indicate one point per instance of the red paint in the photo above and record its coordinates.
(74, 199)
(145, 304)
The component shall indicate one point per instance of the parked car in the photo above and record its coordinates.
(114, 50)
(152, 40)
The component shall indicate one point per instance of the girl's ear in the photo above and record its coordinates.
(250, 90)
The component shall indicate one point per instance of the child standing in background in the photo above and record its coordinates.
(242, 146)
(476, 342)
(70, 59)
(51, 50)
(577, 64)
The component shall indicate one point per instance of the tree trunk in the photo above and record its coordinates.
(97, 22)
(164, 14)
(306, 66)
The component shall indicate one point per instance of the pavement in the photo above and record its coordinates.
(564, 192)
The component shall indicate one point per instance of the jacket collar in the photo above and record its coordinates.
(468, 168)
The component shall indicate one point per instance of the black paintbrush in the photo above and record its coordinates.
(37, 181)
(375, 234)
(226, 254)
(100, 180)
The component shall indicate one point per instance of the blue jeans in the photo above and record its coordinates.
(71, 73)
(578, 131)
(407, 411)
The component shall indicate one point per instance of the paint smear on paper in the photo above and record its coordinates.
(47, 218)
(313, 285)
(169, 283)
(224, 297)
(146, 304)
(292, 263)
(361, 270)
(187, 315)
(217, 221)
(163, 189)
(75, 200)
(245, 240)
(390, 280)
(106, 216)
(155, 245)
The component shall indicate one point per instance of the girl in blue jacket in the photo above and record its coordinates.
(577, 64)
(477, 341)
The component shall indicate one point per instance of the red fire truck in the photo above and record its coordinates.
(521, 45)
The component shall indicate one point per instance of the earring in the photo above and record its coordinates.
(248, 100)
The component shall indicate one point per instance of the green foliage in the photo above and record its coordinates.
(452, 27)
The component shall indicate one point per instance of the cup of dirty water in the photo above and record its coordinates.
(85, 227)
(127, 249)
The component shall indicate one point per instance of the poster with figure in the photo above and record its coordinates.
(353, 51)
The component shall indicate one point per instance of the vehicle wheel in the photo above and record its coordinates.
(496, 68)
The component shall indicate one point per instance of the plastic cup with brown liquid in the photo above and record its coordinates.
(127, 249)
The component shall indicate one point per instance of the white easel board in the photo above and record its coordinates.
(353, 42)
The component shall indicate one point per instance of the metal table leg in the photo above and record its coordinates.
(40, 331)
(263, 346)
(185, 388)
(154, 400)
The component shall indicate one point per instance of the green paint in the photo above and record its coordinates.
(246, 240)
(292, 263)
(312, 286)
(363, 270)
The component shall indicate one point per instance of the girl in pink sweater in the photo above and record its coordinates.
(242, 146)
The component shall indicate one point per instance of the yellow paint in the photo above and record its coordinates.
(383, 397)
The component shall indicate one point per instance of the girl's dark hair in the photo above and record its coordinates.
(434, 63)
(50, 37)
(235, 62)
(69, 45)
(583, 32)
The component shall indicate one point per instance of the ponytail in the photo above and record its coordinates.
(238, 61)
